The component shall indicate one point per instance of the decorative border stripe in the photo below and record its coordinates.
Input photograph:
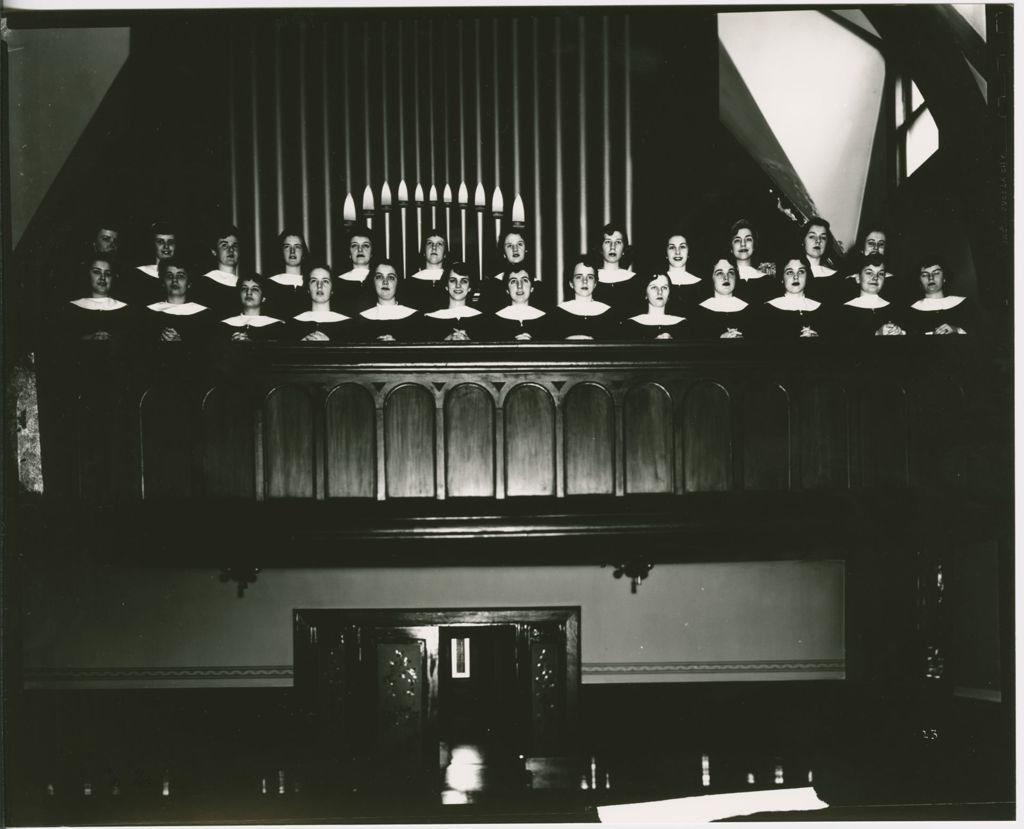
(244, 673)
(739, 666)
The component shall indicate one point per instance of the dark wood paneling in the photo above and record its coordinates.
(938, 420)
(409, 442)
(883, 435)
(166, 420)
(707, 438)
(288, 443)
(589, 423)
(823, 435)
(469, 441)
(529, 441)
(647, 416)
(228, 444)
(766, 436)
(350, 443)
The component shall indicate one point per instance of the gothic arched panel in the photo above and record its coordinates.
(766, 436)
(883, 435)
(529, 441)
(166, 421)
(649, 448)
(289, 461)
(350, 443)
(409, 443)
(824, 436)
(707, 438)
(228, 444)
(469, 441)
(588, 418)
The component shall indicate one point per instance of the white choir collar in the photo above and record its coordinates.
(724, 304)
(223, 277)
(609, 277)
(584, 308)
(291, 280)
(454, 313)
(429, 274)
(150, 270)
(244, 321)
(357, 274)
(320, 316)
(747, 272)
(381, 313)
(681, 276)
(184, 309)
(821, 270)
(943, 303)
(793, 302)
(868, 301)
(657, 319)
(519, 313)
(98, 303)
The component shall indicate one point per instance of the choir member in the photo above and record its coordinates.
(251, 323)
(425, 289)
(320, 324)
(459, 322)
(687, 288)
(351, 289)
(387, 321)
(583, 317)
(873, 241)
(286, 291)
(616, 285)
(98, 316)
(824, 283)
(106, 239)
(657, 323)
(794, 314)
(939, 312)
(755, 284)
(218, 288)
(141, 285)
(174, 319)
(723, 315)
(519, 320)
(512, 252)
(869, 314)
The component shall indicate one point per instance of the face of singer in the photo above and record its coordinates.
(175, 281)
(360, 249)
(101, 277)
(106, 241)
(612, 247)
(874, 242)
(292, 249)
(165, 244)
(519, 287)
(724, 277)
(515, 248)
(434, 249)
(227, 251)
(385, 282)
(251, 294)
(658, 291)
(458, 286)
(583, 280)
(743, 244)
(932, 280)
(815, 240)
(794, 277)
(678, 251)
(320, 285)
(872, 278)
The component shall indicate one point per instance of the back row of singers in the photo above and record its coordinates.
(386, 318)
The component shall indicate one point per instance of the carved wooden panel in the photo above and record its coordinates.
(823, 435)
(228, 441)
(937, 423)
(589, 423)
(104, 435)
(469, 441)
(765, 436)
(647, 438)
(166, 420)
(883, 435)
(547, 691)
(409, 443)
(529, 441)
(289, 458)
(350, 443)
(401, 679)
(707, 438)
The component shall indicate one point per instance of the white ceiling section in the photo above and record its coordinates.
(973, 13)
(819, 88)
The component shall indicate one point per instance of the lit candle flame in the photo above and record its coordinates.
(403, 192)
(480, 197)
(447, 194)
(497, 203)
(368, 200)
(463, 194)
(418, 194)
(385, 195)
(433, 193)
(348, 212)
(518, 211)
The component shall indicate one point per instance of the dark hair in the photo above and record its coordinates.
(358, 229)
(507, 231)
(863, 260)
(284, 234)
(436, 231)
(91, 260)
(813, 221)
(461, 268)
(316, 266)
(368, 286)
(800, 257)
(222, 232)
(172, 262)
(738, 225)
(929, 258)
(728, 257)
(590, 260)
(162, 228)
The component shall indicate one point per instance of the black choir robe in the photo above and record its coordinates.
(724, 317)
(399, 322)
(352, 293)
(754, 286)
(582, 320)
(513, 321)
(866, 315)
(337, 327)
(286, 295)
(258, 327)
(454, 325)
(424, 292)
(87, 316)
(622, 289)
(193, 322)
(790, 317)
(218, 291)
(140, 286)
(650, 326)
(926, 315)
(685, 291)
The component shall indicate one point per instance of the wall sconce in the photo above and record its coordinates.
(635, 570)
(242, 576)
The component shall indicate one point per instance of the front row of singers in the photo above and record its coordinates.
(468, 311)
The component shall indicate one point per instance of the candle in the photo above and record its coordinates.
(538, 257)
(418, 196)
(559, 228)
(328, 223)
(583, 135)
(628, 124)
(368, 206)
(385, 206)
(433, 205)
(480, 202)
(463, 203)
(518, 211)
(497, 208)
(403, 200)
(348, 212)
(447, 197)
